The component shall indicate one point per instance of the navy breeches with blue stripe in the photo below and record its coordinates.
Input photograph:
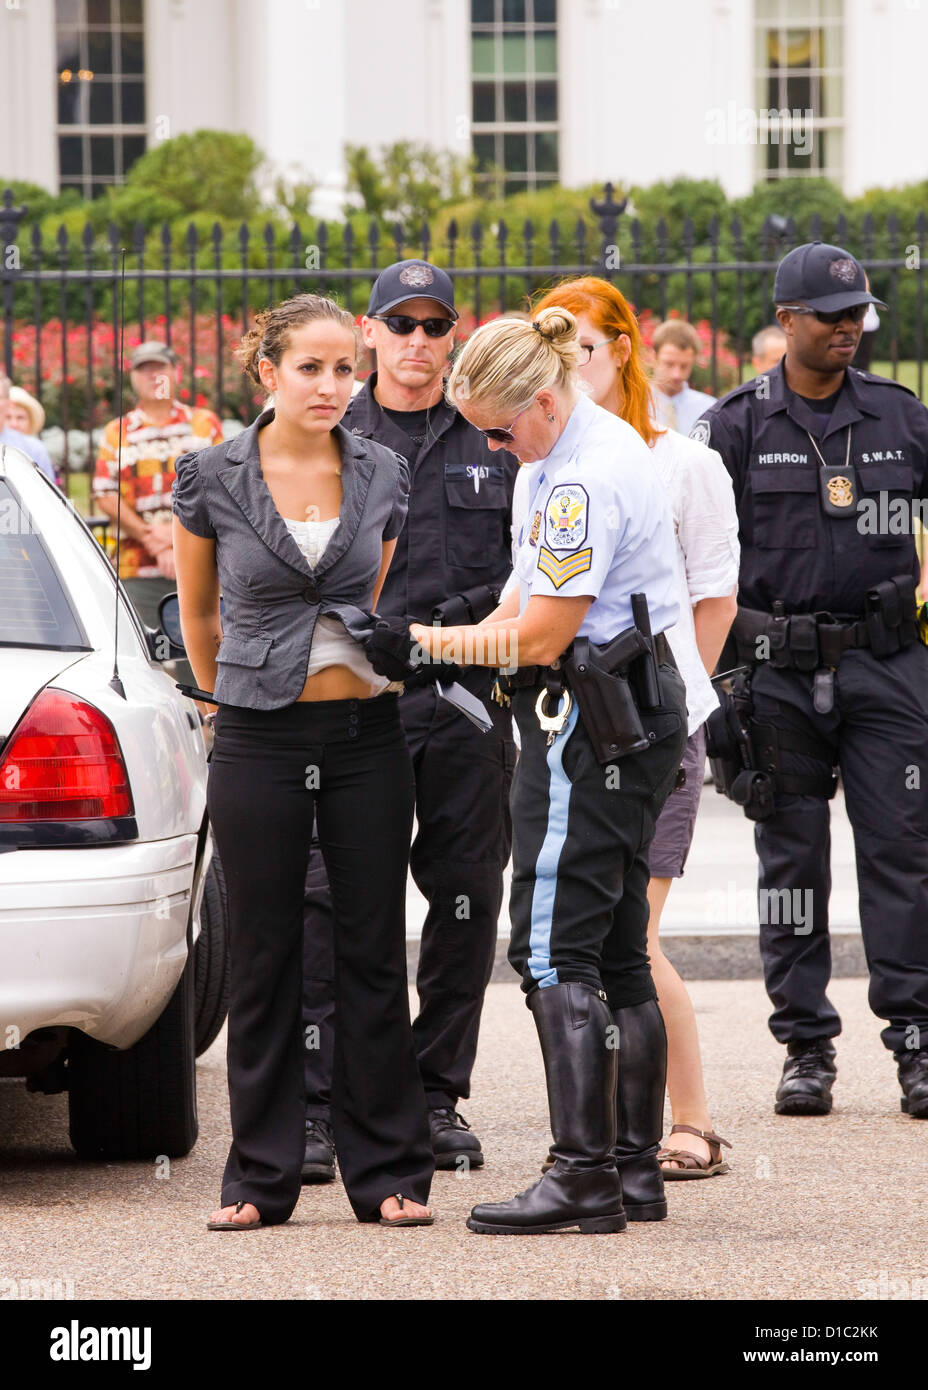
(581, 833)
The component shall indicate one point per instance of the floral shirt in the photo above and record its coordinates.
(148, 454)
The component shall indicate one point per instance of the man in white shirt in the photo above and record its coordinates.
(676, 404)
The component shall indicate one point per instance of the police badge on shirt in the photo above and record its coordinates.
(566, 520)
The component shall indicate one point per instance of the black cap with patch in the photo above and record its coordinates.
(411, 280)
(823, 277)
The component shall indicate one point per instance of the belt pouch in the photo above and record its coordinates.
(803, 641)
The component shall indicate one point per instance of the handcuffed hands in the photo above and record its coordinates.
(394, 652)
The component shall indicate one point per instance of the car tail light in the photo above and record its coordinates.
(63, 762)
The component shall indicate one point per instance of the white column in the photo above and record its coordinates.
(28, 92)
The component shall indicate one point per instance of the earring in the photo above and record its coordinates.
(551, 418)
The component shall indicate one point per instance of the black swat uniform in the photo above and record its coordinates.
(839, 677)
(456, 542)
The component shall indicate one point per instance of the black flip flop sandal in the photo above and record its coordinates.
(406, 1220)
(235, 1225)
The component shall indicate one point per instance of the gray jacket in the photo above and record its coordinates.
(271, 595)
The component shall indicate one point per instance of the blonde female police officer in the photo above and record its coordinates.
(597, 531)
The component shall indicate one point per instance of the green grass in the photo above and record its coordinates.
(907, 373)
(79, 492)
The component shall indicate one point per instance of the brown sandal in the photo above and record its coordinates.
(406, 1220)
(693, 1165)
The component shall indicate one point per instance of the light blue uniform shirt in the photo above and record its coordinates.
(598, 522)
(32, 447)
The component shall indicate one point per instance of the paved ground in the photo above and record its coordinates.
(813, 1208)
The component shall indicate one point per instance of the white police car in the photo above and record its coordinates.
(113, 935)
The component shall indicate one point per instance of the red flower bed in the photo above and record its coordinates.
(66, 381)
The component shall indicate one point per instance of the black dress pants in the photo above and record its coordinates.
(345, 761)
(878, 733)
(581, 833)
(462, 844)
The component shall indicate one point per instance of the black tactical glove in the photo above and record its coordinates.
(394, 652)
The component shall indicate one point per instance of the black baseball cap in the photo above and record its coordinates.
(411, 280)
(823, 277)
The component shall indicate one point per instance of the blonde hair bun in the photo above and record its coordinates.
(509, 360)
(556, 325)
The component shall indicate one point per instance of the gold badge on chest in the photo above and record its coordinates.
(840, 491)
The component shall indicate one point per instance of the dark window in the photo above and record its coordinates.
(70, 153)
(484, 105)
(514, 66)
(99, 52)
(103, 154)
(515, 153)
(34, 608)
(102, 107)
(545, 101)
(515, 101)
(133, 103)
(100, 55)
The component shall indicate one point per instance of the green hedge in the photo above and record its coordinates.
(175, 181)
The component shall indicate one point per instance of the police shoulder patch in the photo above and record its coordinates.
(567, 517)
(701, 432)
(560, 570)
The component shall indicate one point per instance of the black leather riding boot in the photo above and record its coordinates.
(639, 1105)
(582, 1189)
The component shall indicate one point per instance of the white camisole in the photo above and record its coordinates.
(332, 646)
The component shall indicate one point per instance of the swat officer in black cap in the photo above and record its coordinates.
(829, 464)
(451, 561)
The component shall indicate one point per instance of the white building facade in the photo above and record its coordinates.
(573, 91)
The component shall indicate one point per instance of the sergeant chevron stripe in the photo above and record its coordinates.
(559, 571)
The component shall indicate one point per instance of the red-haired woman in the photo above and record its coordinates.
(706, 526)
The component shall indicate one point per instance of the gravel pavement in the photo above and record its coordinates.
(813, 1208)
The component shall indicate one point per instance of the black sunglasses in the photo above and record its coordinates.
(404, 324)
(856, 313)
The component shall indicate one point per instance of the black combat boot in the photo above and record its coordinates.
(639, 1103)
(583, 1188)
(454, 1143)
(913, 1078)
(319, 1158)
(808, 1074)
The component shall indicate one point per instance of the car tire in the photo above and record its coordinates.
(212, 964)
(140, 1103)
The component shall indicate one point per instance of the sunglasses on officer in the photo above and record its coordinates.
(856, 313)
(504, 436)
(404, 324)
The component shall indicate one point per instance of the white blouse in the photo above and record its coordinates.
(331, 645)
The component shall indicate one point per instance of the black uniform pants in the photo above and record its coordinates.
(347, 762)
(581, 833)
(878, 733)
(462, 845)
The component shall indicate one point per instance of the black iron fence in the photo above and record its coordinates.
(60, 302)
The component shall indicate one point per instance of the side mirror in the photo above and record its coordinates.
(169, 625)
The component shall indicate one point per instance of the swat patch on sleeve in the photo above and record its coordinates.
(559, 571)
(566, 517)
(701, 432)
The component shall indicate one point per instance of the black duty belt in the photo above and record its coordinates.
(533, 676)
(802, 641)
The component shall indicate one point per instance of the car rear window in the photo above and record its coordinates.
(35, 610)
